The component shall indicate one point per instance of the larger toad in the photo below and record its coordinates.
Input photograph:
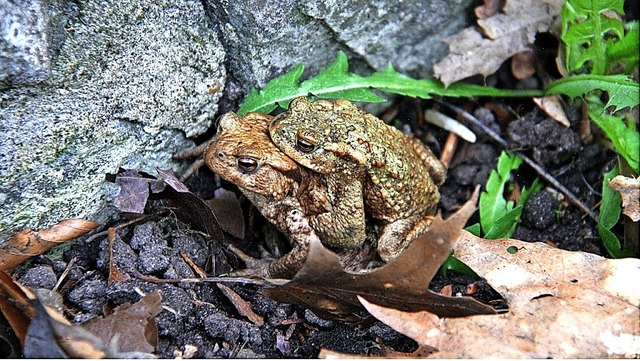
(395, 175)
(242, 153)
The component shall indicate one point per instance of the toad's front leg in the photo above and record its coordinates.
(294, 223)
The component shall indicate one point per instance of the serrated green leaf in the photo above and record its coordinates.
(474, 229)
(624, 136)
(613, 25)
(626, 51)
(456, 265)
(584, 30)
(526, 193)
(622, 91)
(610, 210)
(492, 204)
(504, 226)
(267, 99)
(589, 7)
(580, 33)
(338, 83)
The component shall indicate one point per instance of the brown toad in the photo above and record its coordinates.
(393, 174)
(242, 153)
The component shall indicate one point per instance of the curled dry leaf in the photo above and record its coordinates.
(330, 292)
(228, 212)
(523, 64)
(115, 274)
(506, 33)
(15, 306)
(488, 9)
(134, 190)
(28, 243)
(132, 327)
(243, 307)
(50, 335)
(561, 305)
(189, 207)
(136, 187)
(629, 189)
(553, 107)
(128, 332)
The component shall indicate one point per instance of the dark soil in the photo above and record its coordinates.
(200, 314)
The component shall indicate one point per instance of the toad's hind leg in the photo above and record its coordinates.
(396, 236)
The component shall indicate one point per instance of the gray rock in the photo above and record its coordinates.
(90, 86)
(24, 43)
(128, 81)
(266, 39)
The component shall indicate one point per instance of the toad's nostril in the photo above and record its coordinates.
(220, 155)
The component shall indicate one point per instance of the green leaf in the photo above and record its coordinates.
(526, 193)
(609, 215)
(622, 91)
(624, 136)
(584, 30)
(474, 229)
(337, 82)
(504, 226)
(492, 204)
(589, 7)
(456, 265)
(266, 100)
(626, 51)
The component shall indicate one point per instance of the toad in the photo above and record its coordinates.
(242, 153)
(393, 176)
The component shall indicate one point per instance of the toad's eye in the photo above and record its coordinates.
(247, 164)
(305, 145)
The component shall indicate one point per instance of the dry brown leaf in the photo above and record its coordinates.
(330, 292)
(127, 333)
(561, 305)
(134, 190)
(489, 8)
(523, 65)
(241, 305)
(15, 306)
(50, 335)
(506, 33)
(552, 106)
(115, 274)
(131, 326)
(228, 212)
(28, 243)
(629, 189)
(189, 207)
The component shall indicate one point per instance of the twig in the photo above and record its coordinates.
(64, 274)
(242, 280)
(546, 176)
